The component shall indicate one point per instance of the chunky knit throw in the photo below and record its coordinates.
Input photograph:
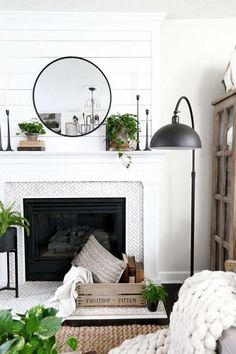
(206, 306)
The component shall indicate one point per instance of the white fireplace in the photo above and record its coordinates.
(99, 174)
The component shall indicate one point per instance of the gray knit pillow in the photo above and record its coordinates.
(104, 266)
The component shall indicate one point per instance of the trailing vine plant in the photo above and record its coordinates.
(121, 130)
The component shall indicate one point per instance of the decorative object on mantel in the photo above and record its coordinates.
(34, 331)
(147, 148)
(138, 142)
(65, 90)
(9, 148)
(31, 130)
(179, 136)
(153, 293)
(121, 129)
(31, 145)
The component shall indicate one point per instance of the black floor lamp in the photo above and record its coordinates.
(179, 136)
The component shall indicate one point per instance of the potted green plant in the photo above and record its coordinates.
(152, 293)
(8, 220)
(31, 129)
(32, 333)
(121, 131)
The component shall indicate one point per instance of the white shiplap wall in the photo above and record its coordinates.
(125, 47)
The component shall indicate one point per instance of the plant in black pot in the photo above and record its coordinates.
(121, 132)
(8, 220)
(152, 293)
(31, 129)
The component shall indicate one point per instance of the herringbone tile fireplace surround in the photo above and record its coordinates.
(98, 175)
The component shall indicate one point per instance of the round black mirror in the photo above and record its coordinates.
(72, 96)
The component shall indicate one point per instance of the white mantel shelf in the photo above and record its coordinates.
(4, 155)
(78, 166)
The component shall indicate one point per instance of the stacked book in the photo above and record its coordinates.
(31, 145)
(134, 272)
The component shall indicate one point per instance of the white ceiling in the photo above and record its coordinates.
(173, 8)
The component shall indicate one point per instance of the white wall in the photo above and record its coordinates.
(173, 8)
(194, 54)
(122, 46)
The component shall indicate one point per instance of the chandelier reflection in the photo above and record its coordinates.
(91, 105)
(89, 119)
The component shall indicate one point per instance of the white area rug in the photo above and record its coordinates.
(30, 294)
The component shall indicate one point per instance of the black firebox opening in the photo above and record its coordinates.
(59, 227)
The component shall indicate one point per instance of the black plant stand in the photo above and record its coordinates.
(8, 286)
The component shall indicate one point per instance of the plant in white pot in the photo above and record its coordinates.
(8, 220)
(153, 293)
(31, 129)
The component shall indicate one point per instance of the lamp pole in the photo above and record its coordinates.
(193, 177)
(181, 137)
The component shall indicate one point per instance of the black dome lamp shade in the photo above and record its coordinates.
(177, 136)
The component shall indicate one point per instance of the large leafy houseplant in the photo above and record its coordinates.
(9, 218)
(33, 333)
(121, 130)
(152, 293)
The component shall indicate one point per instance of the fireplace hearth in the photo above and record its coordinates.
(61, 226)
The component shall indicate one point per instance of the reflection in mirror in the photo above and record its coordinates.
(72, 96)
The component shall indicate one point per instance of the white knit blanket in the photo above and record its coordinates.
(206, 306)
(65, 295)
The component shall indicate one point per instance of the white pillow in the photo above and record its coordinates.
(105, 267)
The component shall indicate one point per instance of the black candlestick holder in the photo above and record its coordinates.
(138, 142)
(147, 148)
(1, 149)
(9, 148)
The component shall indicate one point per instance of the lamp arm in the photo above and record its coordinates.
(189, 106)
(193, 176)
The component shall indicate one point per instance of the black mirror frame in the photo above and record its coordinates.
(71, 57)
